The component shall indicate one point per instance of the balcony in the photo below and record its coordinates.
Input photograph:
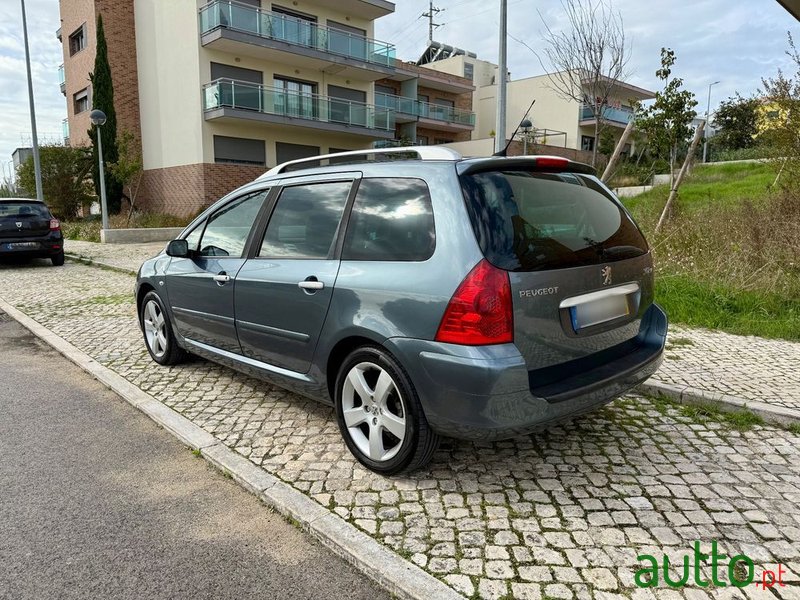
(614, 116)
(234, 27)
(454, 118)
(65, 131)
(62, 80)
(229, 99)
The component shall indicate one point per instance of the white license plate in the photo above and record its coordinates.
(22, 245)
(599, 311)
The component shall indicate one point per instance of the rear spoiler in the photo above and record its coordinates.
(523, 163)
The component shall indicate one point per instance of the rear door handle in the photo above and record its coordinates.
(222, 278)
(311, 285)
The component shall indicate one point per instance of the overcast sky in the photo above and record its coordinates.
(734, 41)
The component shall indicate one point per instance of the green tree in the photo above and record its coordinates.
(128, 168)
(667, 122)
(103, 99)
(65, 182)
(607, 142)
(736, 123)
(782, 93)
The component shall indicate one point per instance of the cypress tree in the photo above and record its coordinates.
(103, 99)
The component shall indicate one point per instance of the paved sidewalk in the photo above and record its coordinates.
(749, 368)
(563, 514)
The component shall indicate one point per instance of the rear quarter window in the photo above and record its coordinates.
(391, 220)
(532, 221)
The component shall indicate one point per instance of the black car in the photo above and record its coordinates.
(28, 229)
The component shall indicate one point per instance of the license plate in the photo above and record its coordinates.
(22, 245)
(599, 311)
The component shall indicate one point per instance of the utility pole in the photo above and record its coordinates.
(708, 116)
(500, 127)
(37, 167)
(431, 14)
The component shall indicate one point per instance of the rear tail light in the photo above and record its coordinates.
(480, 312)
(551, 162)
(55, 225)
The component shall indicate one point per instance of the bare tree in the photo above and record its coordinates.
(590, 57)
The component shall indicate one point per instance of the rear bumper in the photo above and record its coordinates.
(487, 393)
(47, 246)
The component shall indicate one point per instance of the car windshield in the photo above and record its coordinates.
(531, 221)
(21, 210)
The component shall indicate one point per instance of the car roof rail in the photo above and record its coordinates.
(422, 152)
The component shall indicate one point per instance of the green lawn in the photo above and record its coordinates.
(728, 257)
(717, 184)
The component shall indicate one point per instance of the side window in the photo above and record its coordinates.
(305, 220)
(392, 220)
(193, 239)
(228, 228)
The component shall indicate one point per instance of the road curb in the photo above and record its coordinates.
(775, 415)
(395, 574)
(97, 263)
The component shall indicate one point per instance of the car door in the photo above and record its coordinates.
(283, 292)
(200, 287)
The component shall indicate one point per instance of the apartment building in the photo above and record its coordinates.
(216, 91)
(557, 121)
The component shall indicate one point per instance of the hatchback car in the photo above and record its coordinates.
(436, 296)
(29, 230)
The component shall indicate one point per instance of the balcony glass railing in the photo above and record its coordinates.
(398, 104)
(65, 129)
(618, 115)
(274, 26)
(228, 93)
(438, 112)
(427, 110)
(62, 80)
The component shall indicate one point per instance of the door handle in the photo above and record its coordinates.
(222, 278)
(311, 283)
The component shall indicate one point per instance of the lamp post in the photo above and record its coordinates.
(526, 126)
(98, 118)
(708, 116)
(37, 165)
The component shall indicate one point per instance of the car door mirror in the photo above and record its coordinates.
(178, 249)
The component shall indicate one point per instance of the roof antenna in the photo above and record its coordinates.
(504, 151)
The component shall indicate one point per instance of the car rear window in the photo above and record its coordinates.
(23, 209)
(532, 221)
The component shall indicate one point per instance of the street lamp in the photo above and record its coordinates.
(526, 126)
(708, 116)
(98, 118)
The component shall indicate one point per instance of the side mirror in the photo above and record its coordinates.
(178, 249)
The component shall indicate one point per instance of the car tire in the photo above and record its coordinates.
(380, 415)
(157, 329)
(58, 259)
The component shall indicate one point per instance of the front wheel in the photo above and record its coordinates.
(379, 414)
(158, 336)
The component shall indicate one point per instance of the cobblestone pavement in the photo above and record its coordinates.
(122, 256)
(751, 368)
(563, 514)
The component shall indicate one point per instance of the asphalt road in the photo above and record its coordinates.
(97, 502)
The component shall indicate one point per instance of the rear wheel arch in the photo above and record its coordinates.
(340, 351)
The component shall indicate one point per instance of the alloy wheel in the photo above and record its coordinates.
(155, 330)
(374, 412)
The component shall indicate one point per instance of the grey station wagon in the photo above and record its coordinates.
(419, 293)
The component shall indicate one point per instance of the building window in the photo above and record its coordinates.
(469, 71)
(240, 151)
(77, 40)
(422, 140)
(587, 143)
(442, 141)
(80, 101)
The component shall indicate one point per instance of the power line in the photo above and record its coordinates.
(431, 14)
